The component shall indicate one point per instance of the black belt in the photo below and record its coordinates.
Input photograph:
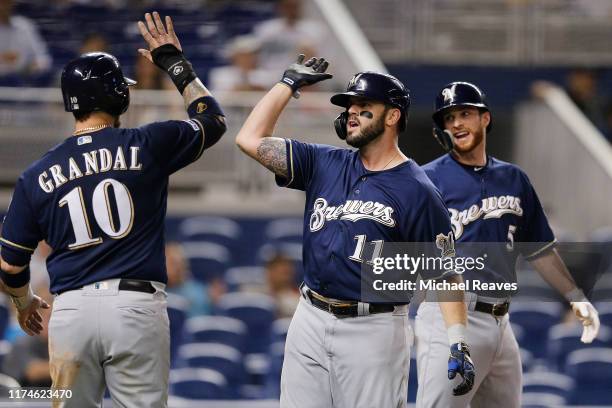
(348, 309)
(133, 285)
(136, 285)
(495, 309)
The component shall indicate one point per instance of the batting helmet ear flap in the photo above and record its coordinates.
(444, 138)
(340, 124)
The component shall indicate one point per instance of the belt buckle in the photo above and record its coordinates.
(497, 309)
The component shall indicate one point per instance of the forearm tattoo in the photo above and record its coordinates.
(193, 91)
(272, 153)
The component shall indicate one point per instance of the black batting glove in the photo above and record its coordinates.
(300, 74)
(460, 363)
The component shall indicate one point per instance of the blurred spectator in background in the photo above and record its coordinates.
(287, 36)
(28, 361)
(280, 279)
(93, 42)
(180, 283)
(242, 73)
(23, 52)
(148, 76)
(581, 87)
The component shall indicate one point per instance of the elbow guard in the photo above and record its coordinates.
(208, 113)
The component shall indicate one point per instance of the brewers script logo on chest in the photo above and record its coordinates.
(491, 207)
(351, 210)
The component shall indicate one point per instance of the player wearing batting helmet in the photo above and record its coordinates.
(489, 201)
(342, 351)
(99, 200)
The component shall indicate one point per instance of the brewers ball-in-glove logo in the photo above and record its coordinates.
(446, 244)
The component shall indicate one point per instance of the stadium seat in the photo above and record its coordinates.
(6, 383)
(285, 230)
(292, 250)
(527, 359)
(277, 355)
(565, 338)
(591, 369)
(280, 327)
(535, 318)
(541, 400)
(198, 383)
(605, 313)
(245, 278)
(220, 230)
(548, 382)
(256, 311)
(177, 314)
(219, 357)
(5, 348)
(217, 329)
(257, 366)
(207, 260)
(4, 319)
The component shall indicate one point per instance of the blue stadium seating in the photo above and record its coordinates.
(4, 319)
(256, 311)
(550, 383)
(207, 260)
(565, 338)
(542, 400)
(198, 383)
(177, 314)
(217, 329)
(535, 318)
(591, 369)
(219, 357)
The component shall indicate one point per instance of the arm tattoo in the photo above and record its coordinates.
(193, 91)
(272, 153)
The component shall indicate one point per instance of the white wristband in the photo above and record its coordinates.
(575, 295)
(456, 333)
(22, 302)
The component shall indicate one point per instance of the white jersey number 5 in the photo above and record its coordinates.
(102, 210)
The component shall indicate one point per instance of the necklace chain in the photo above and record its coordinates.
(87, 129)
(393, 158)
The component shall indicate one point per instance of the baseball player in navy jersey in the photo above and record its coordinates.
(340, 351)
(489, 201)
(99, 200)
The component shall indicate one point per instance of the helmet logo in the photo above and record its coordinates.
(449, 94)
(353, 81)
(177, 70)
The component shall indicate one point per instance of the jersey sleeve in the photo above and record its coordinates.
(536, 230)
(429, 225)
(175, 143)
(301, 162)
(20, 230)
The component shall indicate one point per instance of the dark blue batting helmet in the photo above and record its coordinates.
(95, 82)
(379, 87)
(459, 94)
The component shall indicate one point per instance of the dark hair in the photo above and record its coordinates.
(81, 116)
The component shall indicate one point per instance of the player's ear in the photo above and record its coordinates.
(486, 118)
(393, 116)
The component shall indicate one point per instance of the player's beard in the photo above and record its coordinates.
(368, 133)
(477, 137)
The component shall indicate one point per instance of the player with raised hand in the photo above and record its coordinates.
(99, 200)
(489, 201)
(341, 351)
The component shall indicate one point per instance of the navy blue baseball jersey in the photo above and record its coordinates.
(99, 200)
(348, 206)
(494, 203)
